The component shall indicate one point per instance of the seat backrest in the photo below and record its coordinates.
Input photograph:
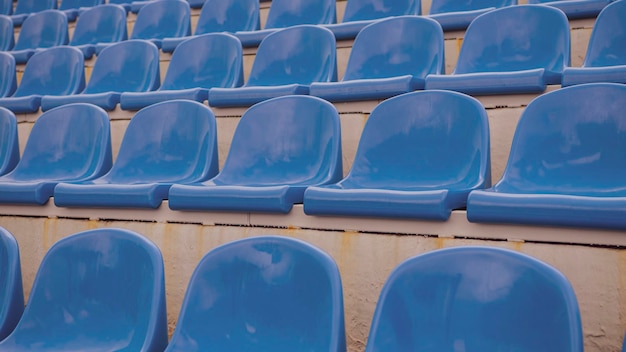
(76, 4)
(299, 54)
(100, 24)
(7, 37)
(287, 13)
(476, 299)
(6, 7)
(570, 141)
(206, 61)
(11, 291)
(43, 30)
(228, 16)
(607, 43)
(128, 66)
(68, 143)
(266, 293)
(101, 290)
(8, 80)
(358, 10)
(424, 140)
(32, 6)
(54, 71)
(516, 38)
(9, 142)
(444, 6)
(406, 45)
(288, 140)
(163, 19)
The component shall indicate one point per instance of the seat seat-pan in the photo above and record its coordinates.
(247, 96)
(580, 75)
(138, 100)
(515, 82)
(107, 100)
(111, 195)
(366, 89)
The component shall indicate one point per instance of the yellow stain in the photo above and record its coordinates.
(517, 245)
(440, 242)
(622, 285)
(92, 224)
(459, 43)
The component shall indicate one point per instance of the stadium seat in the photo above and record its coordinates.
(7, 36)
(266, 293)
(128, 66)
(280, 147)
(71, 7)
(97, 290)
(567, 163)
(606, 54)
(6, 7)
(221, 16)
(476, 299)
(457, 15)
(419, 156)
(41, 30)
(286, 63)
(413, 48)
(54, 71)
(165, 143)
(511, 50)
(288, 13)
(575, 9)
(100, 24)
(11, 291)
(202, 62)
(360, 13)
(23, 8)
(8, 79)
(135, 6)
(9, 146)
(123, 3)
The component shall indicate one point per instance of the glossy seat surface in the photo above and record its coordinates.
(476, 299)
(8, 79)
(266, 293)
(165, 143)
(7, 36)
(71, 143)
(97, 290)
(567, 166)
(162, 19)
(100, 24)
(9, 145)
(606, 54)
(11, 291)
(40, 30)
(286, 63)
(527, 52)
(23, 8)
(71, 8)
(419, 156)
(408, 49)
(280, 147)
(202, 62)
(576, 8)
(6, 7)
(457, 15)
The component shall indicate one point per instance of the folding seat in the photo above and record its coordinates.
(412, 49)
(289, 13)
(200, 63)
(280, 147)
(222, 16)
(286, 63)
(40, 30)
(419, 156)
(128, 66)
(11, 291)
(71, 8)
(606, 54)
(516, 49)
(53, 71)
(576, 8)
(6, 7)
(360, 13)
(7, 37)
(165, 143)
(71, 143)
(135, 6)
(457, 15)
(97, 290)
(476, 299)
(567, 164)
(265, 293)
(8, 79)
(9, 142)
(100, 24)
(23, 8)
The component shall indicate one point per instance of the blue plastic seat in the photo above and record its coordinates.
(457, 15)
(289, 13)
(476, 299)
(412, 49)
(222, 16)
(7, 37)
(286, 63)
(97, 290)
(71, 143)
(606, 54)
(266, 293)
(135, 6)
(53, 71)
(576, 8)
(9, 142)
(100, 24)
(516, 49)
(6, 7)
(202, 62)
(71, 8)
(11, 291)
(39, 31)
(280, 147)
(165, 143)
(360, 13)
(567, 164)
(23, 8)
(419, 156)
(128, 66)
(8, 79)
